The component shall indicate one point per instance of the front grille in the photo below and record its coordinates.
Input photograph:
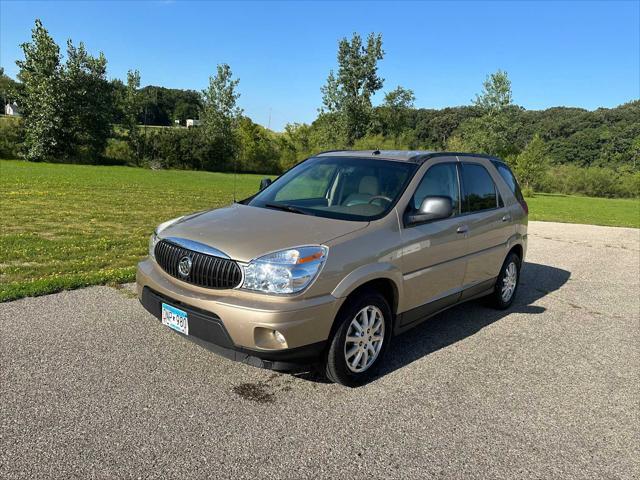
(206, 270)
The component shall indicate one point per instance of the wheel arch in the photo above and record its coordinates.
(385, 277)
(518, 250)
(385, 284)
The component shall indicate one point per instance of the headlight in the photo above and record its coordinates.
(286, 271)
(154, 239)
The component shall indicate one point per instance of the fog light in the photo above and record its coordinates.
(279, 337)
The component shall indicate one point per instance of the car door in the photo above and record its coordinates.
(487, 223)
(433, 252)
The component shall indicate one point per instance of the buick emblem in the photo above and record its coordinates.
(184, 266)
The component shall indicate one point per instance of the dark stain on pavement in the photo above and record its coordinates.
(256, 392)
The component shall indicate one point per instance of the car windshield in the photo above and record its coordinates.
(338, 187)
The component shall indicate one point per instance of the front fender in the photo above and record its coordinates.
(366, 273)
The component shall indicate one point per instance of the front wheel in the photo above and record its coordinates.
(359, 343)
(507, 282)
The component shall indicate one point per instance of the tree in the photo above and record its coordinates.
(494, 132)
(490, 134)
(9, 88)
(395, 107)
(401, 98)
(162, 106)
(131, 106)
(43, 96)
(532, 163)
(259, 151)
(221, 114)
(496, 93)
(634, 154)
(348, 95)
(88, 107)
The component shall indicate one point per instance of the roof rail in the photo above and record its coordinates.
(330, 151)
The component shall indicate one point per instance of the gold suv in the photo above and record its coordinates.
(345, 250)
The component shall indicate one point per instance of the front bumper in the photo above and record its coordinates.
(233, 322)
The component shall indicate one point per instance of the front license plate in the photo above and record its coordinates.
(175, 318)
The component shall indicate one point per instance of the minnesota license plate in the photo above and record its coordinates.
(175, 318)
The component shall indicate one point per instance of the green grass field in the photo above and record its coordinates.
(614, 212)
(67, 226)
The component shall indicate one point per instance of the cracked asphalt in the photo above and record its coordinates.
(91, 386)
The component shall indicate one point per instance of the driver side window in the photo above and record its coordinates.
(440, 180)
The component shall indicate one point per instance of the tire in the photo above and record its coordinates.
(355, 372)
(505, 289)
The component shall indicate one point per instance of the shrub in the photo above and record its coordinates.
(118, 152)
(591, 181)
(11, 137)
(630, 185)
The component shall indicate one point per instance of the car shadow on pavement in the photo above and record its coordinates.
(466, 319)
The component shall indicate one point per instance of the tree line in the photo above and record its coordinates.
(73, 113)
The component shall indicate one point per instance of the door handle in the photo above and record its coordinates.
(506, 218)
(462, 229)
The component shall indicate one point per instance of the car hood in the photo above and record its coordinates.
(244, 232)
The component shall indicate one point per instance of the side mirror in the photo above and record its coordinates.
(432, 208)
(264, 183)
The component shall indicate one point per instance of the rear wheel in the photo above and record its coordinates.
(507, 282)
(359, 343)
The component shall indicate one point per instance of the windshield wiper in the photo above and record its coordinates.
(286, 208)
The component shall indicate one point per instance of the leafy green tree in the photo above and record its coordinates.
(347, 95)
(435, 127)
(397, 104)
(9, 88)
(186, 104)
(118, 94)
(162, 106)
(496, 93)
(494, 132)
(131, 105)
(634, 153)
(11, 137)
(532, 163)
(221, 113)
(490, 134)
(259, 151)
(401, 98)
(43, 96)
(88, 107)
(295, 144)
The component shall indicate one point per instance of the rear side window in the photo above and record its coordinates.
(508, 176)
(479, 191)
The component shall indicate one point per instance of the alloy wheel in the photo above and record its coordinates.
(364, 339)
(509, 281)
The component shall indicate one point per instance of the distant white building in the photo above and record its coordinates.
(11, 108)
(192, 123)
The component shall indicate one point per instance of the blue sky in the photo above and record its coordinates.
(584, 54)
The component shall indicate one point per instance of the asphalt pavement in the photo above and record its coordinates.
(92, 386)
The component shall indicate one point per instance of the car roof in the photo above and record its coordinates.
(413, 156)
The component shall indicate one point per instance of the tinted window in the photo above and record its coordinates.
(478, 188)
(508, 176)
(440, 180)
